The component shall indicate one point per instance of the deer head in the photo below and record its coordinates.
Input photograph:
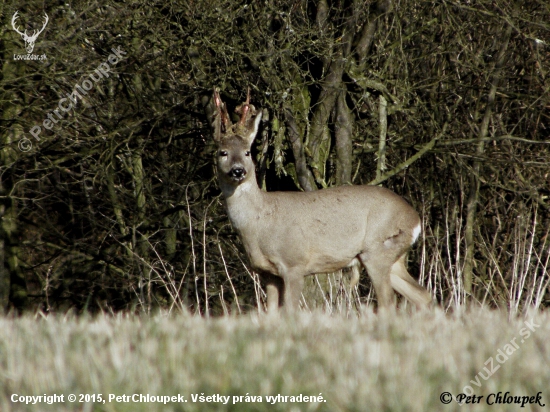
(235, 163)
(29, 40)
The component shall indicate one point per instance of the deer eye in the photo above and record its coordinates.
(223, 153)
(247, 153)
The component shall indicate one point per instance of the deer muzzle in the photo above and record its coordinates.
(237, 173)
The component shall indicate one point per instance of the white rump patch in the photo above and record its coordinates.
(416, 233)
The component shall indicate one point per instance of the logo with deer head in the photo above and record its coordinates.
(29, 40)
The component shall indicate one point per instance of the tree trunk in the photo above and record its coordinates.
(13, 288)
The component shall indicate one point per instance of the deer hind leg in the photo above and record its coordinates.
(379, 267)
(405, 284)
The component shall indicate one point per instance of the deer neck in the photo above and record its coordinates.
(242, 201)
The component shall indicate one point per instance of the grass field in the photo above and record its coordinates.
(371, 362)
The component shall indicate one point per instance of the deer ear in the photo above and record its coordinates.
(252, 127)
(219, 118)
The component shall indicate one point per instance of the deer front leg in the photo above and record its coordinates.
(294, 284)
(274, 289)
(272, 298)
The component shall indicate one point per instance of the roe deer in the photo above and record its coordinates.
(288, 235)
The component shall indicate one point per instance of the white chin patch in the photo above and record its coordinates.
(415, 233)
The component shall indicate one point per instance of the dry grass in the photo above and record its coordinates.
(372, 362)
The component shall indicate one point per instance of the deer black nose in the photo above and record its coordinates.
(237, 172)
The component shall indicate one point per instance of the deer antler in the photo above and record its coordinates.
(245, 108)
(223, 122)
(35, 33)
(46, 20)
(13, 19)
